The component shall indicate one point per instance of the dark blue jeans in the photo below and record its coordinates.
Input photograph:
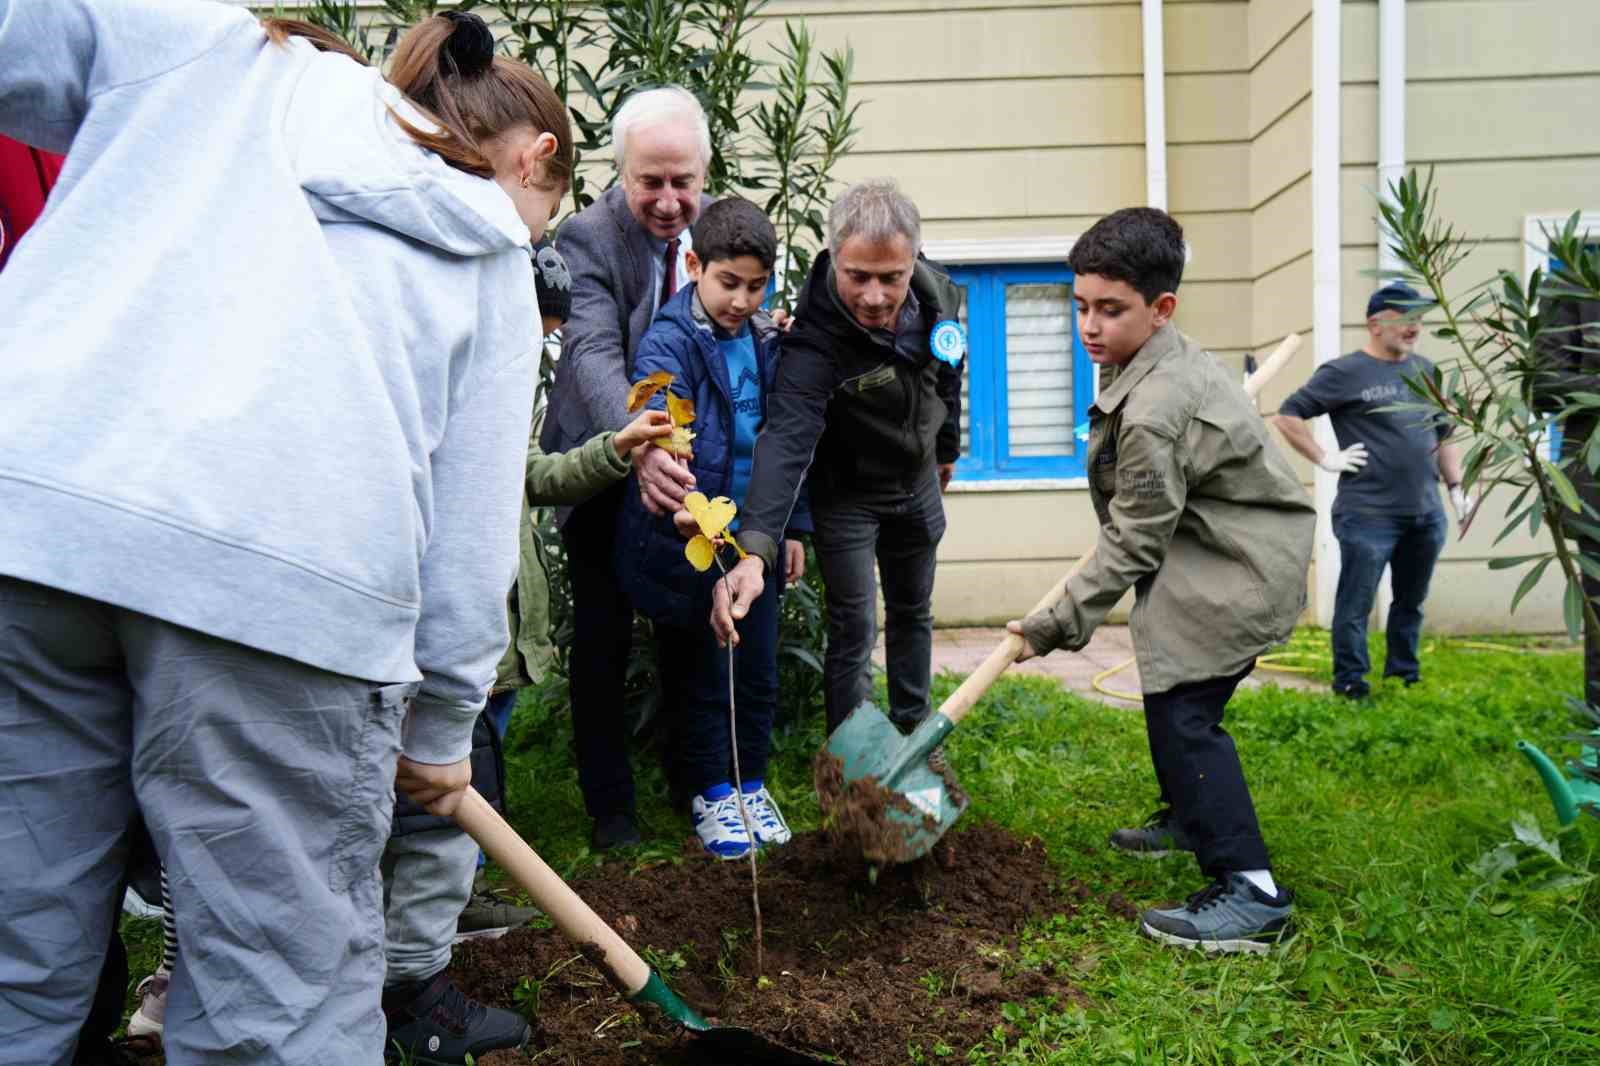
(704, 751)
(1409, 545)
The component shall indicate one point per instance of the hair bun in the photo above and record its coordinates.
(470, 46)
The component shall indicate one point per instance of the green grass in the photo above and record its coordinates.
(1375, 813)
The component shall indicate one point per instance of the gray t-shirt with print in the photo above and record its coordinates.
(1402, 471)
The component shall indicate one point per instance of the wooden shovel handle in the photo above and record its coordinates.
(577, 922)
(963, 699)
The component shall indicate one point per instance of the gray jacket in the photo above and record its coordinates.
(610, 256)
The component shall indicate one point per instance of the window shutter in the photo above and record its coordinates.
(1039, 400)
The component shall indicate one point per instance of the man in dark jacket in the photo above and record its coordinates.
(868, 398)
(1568, 348)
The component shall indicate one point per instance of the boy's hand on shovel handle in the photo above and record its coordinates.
(1015, 627)
(435, 787)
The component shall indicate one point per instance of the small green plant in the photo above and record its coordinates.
(666, 963)
(1527, 868)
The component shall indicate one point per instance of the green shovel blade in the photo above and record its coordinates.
(876, 785)
(719, 1043)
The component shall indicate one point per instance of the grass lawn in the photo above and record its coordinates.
(1375, 812)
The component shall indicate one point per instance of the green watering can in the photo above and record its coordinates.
(1570, 791)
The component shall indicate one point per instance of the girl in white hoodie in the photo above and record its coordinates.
(266, 368)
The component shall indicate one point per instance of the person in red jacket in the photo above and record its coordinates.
(26, 175)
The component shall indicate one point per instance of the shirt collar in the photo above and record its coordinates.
(1161, 342)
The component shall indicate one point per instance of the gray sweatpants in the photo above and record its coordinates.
(268, 788)
(427, 880)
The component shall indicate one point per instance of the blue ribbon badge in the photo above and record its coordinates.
(949, 342)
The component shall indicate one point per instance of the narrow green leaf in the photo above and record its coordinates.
(1529, 580)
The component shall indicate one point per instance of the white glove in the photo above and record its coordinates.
(1346, 461)
(1462, 504)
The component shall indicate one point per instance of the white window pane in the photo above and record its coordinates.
(1039, 384)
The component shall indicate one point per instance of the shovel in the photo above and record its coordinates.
(876, 785)
(601, 945)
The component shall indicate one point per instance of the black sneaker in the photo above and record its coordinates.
(433, 1023)
(1352, 692)
(614, 831)
(1159, 837)
(1231, 915)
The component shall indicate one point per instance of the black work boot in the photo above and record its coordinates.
(1156, 839)
(433, 1023)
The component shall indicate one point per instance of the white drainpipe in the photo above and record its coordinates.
(1155, 107)
(1391, 111)
(1325, 266)
(1391, 165)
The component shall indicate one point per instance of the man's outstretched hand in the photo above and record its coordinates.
(663, 480)
(746, 582)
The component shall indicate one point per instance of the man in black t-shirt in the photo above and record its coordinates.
(1387, 511)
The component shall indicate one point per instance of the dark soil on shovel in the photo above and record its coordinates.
(852, 971)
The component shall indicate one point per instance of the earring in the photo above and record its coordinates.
(527, 182)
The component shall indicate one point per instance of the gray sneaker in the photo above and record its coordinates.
(1156, 839)
(1230, 915)
(486, 918)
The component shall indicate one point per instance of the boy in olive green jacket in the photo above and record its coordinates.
(1204, 519)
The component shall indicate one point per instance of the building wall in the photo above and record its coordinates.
(1024, 119)
(1499, 101)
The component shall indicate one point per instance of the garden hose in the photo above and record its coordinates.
(1099, 684)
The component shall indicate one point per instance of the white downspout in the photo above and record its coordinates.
(1326, 86)
(1155, 107)
(1391, 112)
(1391, 165)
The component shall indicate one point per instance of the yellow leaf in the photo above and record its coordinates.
(700, 552)
(712, 516)
(680, 409)
(645, 388)
(678, 443)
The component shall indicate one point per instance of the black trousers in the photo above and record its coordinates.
(602, 643)
(1198, 769)
(900, 533)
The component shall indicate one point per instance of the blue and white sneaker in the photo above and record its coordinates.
(765, 818)
(716, 820)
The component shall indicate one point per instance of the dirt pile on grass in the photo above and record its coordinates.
(856, 971)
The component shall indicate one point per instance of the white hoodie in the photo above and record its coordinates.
(266, 366)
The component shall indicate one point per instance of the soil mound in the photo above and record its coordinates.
(861, 972)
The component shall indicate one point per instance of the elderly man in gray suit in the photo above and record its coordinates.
(626, 254)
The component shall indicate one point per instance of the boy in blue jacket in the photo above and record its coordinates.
(722, 352)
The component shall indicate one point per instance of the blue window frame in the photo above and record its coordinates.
(1016, 429)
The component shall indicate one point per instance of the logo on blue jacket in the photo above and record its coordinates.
(949, 342)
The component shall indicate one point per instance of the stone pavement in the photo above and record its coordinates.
(961, 650)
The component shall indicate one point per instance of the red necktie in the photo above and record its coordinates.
(669, 273)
